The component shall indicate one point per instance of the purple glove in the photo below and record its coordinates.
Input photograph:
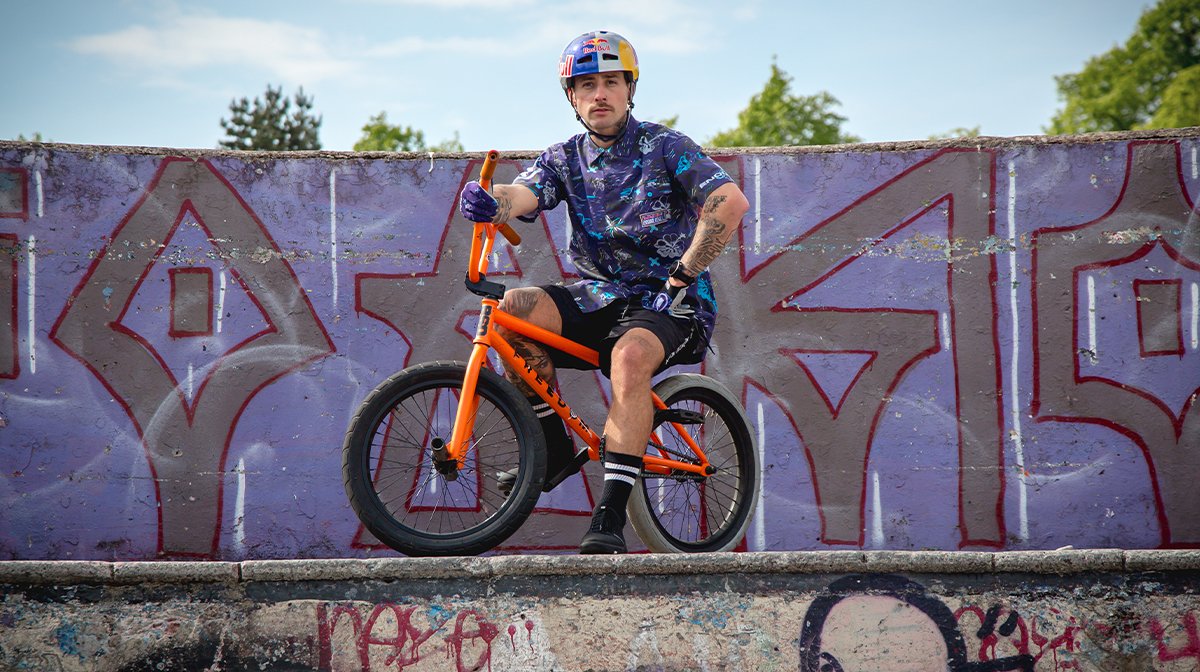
(476, 204)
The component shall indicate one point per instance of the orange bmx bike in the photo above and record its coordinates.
(447, 458)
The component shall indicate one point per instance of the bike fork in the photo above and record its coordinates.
(454, 454)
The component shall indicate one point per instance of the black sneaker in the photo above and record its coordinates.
(604, 536)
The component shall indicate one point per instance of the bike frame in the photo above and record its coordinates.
(487, 338)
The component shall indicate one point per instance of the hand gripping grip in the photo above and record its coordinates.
(485, 181)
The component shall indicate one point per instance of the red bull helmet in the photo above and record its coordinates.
(595, 52)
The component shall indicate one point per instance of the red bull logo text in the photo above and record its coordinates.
(595, 45)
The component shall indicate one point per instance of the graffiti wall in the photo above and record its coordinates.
(592, 616)
(939, 346)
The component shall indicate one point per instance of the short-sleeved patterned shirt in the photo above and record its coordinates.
(633, 208)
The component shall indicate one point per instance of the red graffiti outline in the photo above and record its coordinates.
(186, 206)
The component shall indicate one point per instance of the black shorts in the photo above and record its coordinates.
(682, 338)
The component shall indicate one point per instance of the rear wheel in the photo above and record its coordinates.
(688, 513)
(420, 506)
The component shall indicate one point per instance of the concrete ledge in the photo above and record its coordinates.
(356, 569)
(34, 572)
(1060, 562)
(175, 572)
(930, 562)
(1162, 561)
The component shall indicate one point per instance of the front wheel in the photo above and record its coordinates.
(686, 513)
(419, 507)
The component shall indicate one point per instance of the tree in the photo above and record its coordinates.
(1149, 82)
(960, 132)
(775, 117)
(1180, 104)
(380, 136)
(270, 123)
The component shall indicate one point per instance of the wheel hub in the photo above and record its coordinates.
(445, 465)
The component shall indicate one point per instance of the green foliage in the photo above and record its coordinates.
(1180, 104)
(960, 132)
(380, 136)
(37, 137)
(776, 117)
(1133, 86)
(451, 145)
(270, 123)
(669, 122)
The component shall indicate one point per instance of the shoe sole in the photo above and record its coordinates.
(601, 547)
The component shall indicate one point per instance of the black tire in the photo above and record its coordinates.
(677, 514)
(403, 500)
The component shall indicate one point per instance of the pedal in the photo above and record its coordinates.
(679, 415)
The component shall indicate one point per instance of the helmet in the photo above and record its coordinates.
(594, 52)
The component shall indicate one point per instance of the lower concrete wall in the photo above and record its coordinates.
(842, 611)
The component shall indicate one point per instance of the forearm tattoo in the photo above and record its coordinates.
(505, 206)
(711, 236)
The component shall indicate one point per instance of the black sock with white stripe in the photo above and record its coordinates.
(559, 449)
(620, 474)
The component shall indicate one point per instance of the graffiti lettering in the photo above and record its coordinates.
(392, 637)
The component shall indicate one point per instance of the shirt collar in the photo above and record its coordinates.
(623, 147)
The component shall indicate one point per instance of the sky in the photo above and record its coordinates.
(162, 73)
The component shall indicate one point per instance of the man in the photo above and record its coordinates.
(649, 212)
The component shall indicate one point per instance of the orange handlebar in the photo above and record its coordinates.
(489, 168)
(485, 181)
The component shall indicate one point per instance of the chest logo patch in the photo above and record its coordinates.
(655, 218)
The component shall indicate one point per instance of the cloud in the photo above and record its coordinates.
(408, 46)
(474, 5)
(672, 27)
(181, 42)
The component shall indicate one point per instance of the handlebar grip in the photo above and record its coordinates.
(485, 181)
(489, 168)
(510, 235)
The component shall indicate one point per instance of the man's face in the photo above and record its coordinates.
(601, 99)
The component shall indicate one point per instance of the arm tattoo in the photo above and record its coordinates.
(711, 205)
(505, 207)
(709, 241)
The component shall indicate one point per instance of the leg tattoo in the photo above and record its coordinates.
(520, 304)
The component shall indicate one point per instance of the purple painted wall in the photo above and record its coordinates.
(950, 347)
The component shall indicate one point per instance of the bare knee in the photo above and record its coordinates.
(522, 301)
(635, 358)
(533, 305)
